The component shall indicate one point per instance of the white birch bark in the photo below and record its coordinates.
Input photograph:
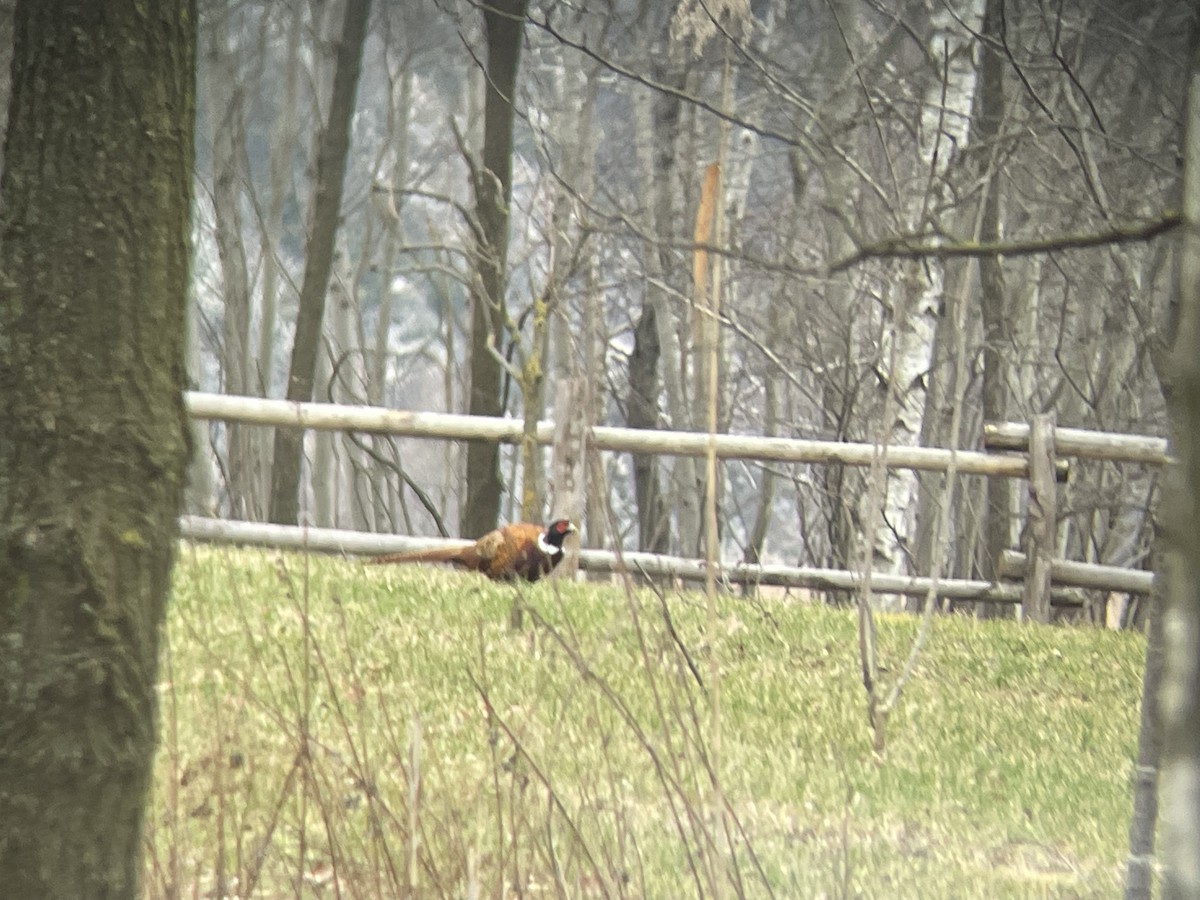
(909, 337)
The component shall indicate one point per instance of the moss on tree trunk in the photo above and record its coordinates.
(93, 435)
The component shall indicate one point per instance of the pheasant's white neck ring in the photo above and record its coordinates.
(546, 547)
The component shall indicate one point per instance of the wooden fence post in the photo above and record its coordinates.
(1042, 525)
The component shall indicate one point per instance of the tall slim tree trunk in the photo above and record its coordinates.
(838, 381)
(504, 22)
(93, 432)
(333, 149)
(284, 132)
(574, 255)
(993, 296)
(642, 412)
(227, 136)
(909, 331)
(658, 130)
(757, 537)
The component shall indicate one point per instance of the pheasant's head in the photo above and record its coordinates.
(556, 532)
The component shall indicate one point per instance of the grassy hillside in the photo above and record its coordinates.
(333, 729)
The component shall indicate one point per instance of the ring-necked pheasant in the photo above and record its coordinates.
(519, 550)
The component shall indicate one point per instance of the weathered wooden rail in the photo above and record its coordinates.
(356, 543)
(451, 426)
(1035, 452)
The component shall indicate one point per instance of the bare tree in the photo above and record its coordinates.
(997, 327)
(504, 24)
(327, 201)
(658, 356)
(852, 149)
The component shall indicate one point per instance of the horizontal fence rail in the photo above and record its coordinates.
(1133, 448)
(452, 426)
(1014, 564)
(1068, 578)
(331, 540)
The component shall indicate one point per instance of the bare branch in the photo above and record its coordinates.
(919, 247)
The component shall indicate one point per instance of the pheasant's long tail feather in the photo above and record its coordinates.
(431, 555)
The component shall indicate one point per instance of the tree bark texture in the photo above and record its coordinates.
(93, 433)
(993, 297)
(1139, 867)
(659, 134)
(1179, 774)
(504, 23)
(910, 329)
(332, 151)
(642, 412)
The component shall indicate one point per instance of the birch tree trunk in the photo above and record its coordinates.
(333, 149)
(93, 433)
(907, 348)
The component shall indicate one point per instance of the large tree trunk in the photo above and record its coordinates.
(504, 23)
(1179, 773)
(93, 433)
(332, 152)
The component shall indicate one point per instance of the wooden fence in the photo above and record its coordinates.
(1033, 452)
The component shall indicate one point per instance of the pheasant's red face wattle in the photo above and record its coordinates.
(557, 531)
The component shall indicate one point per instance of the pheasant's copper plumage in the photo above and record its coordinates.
(517, 551)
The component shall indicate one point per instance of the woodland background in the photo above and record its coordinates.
(851, 136)
(857, 221)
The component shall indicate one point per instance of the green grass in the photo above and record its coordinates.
(333, 729)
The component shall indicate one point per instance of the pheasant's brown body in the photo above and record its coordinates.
(517, 551)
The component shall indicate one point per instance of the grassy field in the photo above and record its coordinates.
(337, 730)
